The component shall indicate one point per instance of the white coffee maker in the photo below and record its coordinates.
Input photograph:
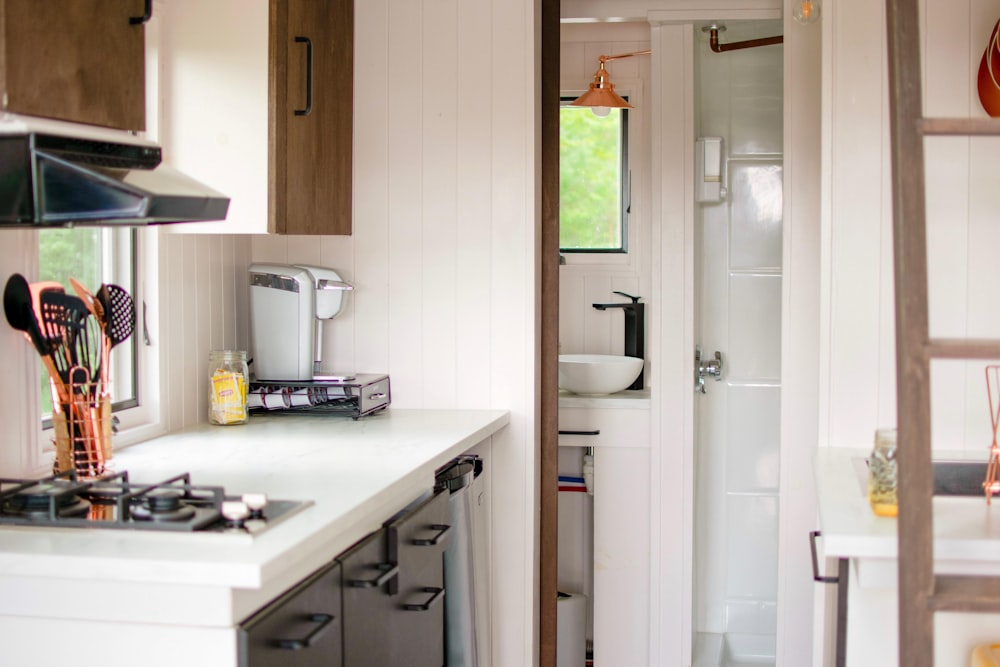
(288, 305)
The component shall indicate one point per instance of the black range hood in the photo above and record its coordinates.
(55, 174)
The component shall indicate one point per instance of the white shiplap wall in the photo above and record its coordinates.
(858, 357)
(444, 251)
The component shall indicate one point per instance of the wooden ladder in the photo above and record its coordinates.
(921, 593)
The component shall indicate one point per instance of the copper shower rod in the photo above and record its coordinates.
(713, 41)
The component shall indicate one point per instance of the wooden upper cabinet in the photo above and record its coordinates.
(258, 103)
(312, 75)
(77, 60)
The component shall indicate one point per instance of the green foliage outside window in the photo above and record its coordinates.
(63, 253)
(590, 180)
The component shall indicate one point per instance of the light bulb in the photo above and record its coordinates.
(806, 11)
(601, 112)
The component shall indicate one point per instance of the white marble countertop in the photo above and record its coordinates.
(356, 473)
(966, 529)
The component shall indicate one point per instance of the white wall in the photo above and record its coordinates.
(443, 255)
(857, 380)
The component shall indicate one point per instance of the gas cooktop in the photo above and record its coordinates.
(114, 501)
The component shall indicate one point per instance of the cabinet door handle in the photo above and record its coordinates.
(309, 76)
(436, 595)
(322, 621)
(812, 547)
(442, 529)
(147, 13)
(596, 431)
(388, 572)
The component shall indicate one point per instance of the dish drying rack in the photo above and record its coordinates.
(355, 396)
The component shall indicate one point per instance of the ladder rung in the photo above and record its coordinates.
(960, 126)
(974, 594)
(963, 348)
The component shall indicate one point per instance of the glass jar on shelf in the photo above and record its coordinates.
(228, 376)
(882, 474)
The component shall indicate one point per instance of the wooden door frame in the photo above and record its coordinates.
(549, 336)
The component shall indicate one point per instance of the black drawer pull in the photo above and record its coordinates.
(812, 546)
(436, 595)
(322, 621)
(388, 572)
(594, 432)
(443, 531)
(309, 76)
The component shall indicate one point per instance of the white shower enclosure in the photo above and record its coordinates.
(738, 261)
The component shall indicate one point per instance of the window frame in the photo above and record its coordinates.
(625, 186)
(632, 90)
(139, 418)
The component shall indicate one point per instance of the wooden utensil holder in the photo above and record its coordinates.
(82, 435)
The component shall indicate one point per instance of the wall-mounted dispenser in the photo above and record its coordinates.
(709, 170)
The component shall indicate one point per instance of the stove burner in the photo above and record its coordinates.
(45, 499)
(172, 504)
(163, 505)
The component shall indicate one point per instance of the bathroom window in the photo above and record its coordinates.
(94, 255)
(593, 180)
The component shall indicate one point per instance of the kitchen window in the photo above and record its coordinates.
(593, 180)
(94, 256)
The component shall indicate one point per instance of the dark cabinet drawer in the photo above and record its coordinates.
(416, 540)
(367, 580)
(302, 628)
(393, 588)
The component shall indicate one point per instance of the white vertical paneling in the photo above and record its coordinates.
(242, 259)
(474, 327)
(304, 250)
(961, 204)
(270, 248)
(337, 252)
(440, 243)
(18, 361)
(514, 280)
(204, 305)
(371, 196)
(671, 470)
(855, 246)
(405, 201)
(947, 90)
(800, 308)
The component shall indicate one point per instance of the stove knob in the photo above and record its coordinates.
(235, 511)
(256, 502)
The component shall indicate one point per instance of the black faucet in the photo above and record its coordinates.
(635, 327)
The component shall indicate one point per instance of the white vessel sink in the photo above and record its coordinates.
(597, 374)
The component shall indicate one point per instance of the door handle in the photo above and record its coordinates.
(443, 531)
(706, 367)
(813, 534)
(436, 595)
(321, 621)
(388, 571)
(309, 76)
